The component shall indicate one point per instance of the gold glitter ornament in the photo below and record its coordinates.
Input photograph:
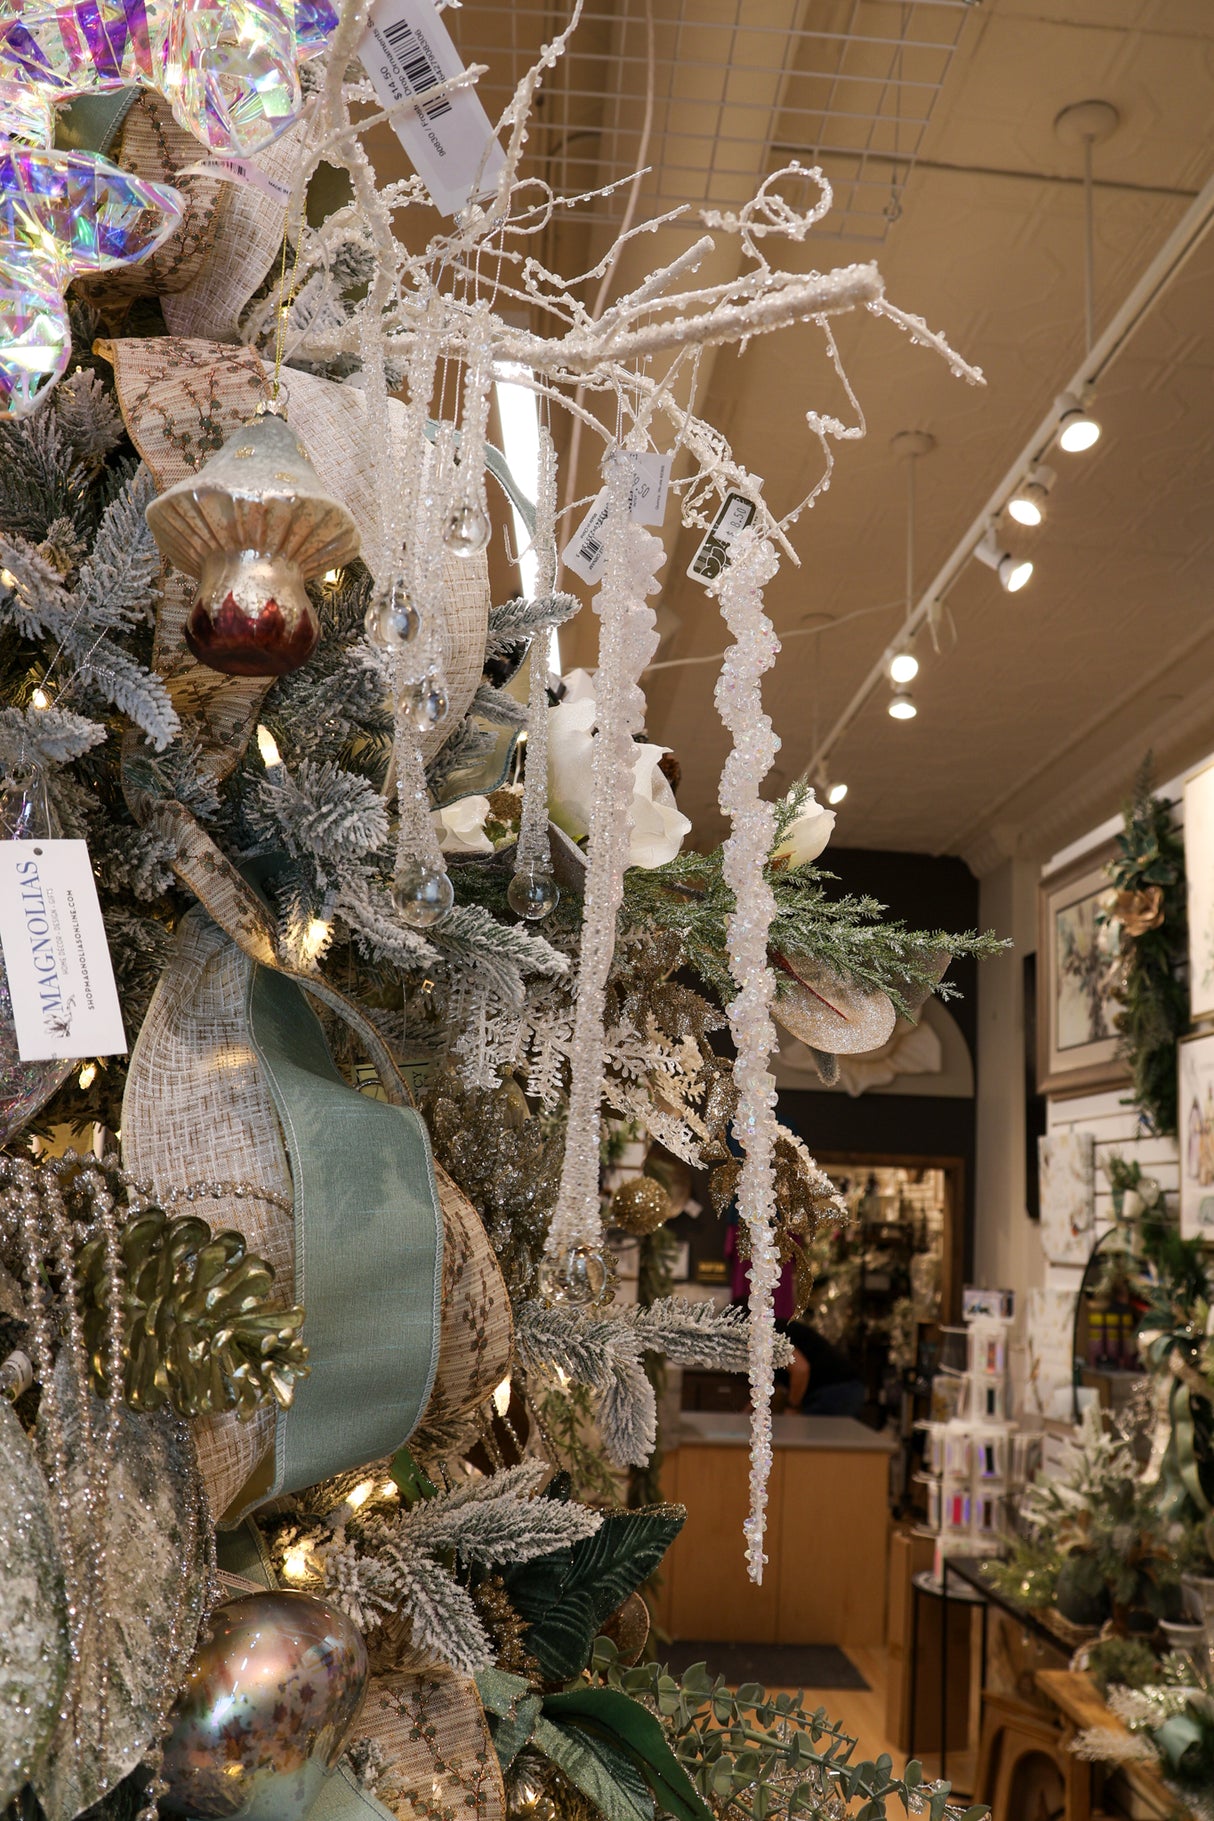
(640, 1206)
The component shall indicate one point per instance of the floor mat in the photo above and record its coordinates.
(774, 1665)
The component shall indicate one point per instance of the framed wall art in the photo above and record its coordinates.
(1068, 1196)
(1077, 962)
(1195, 1135)
(1199, 872)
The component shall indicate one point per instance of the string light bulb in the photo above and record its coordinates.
(1078, 430)
(903, 667)
(1013, 571)
(1028, 504)
(902, 706)
(267, 746)
(87, 1075)
(40, 699)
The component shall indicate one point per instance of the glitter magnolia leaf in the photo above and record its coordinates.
(33, 1619)
(200, 1334)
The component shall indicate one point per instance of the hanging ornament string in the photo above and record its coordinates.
(533, 890)
(739, 703)
(574, 1269)
(286, 292)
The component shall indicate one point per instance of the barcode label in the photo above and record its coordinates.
(713, 553)
(407, 51)
(415, 66)
(586, 552)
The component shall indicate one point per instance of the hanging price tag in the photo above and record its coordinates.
(713, 553)
(406, 52)
(56, 957)
(586, 552)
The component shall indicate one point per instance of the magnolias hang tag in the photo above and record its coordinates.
(56, 956)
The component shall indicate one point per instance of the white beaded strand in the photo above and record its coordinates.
(627, 640)
(533, 859)
(739, 702)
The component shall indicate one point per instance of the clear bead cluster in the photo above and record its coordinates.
(627, 640)
(744, 857)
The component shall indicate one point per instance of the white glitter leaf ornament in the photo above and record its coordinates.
(33, 1618)
(827, 1011)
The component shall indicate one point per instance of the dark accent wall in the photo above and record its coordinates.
(925, 893)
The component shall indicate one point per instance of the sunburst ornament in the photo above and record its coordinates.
(62, 214)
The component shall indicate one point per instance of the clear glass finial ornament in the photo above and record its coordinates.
(422, 893)
(424, 703)
(467, 530)
(532, 893)
(580, 1277)
(392, 620)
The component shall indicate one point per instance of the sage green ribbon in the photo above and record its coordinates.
(368, 1249)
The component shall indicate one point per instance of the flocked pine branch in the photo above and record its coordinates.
(519, 619)
(498, 707)
(320, 810)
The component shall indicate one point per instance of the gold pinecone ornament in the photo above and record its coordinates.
(198, 1334)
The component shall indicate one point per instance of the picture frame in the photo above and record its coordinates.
(1076, 1039)
(1195, 1134)
(1199, 871)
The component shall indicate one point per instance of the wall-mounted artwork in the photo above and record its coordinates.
(1077, 969)
(1050, 1333)
(1199, 871)
(1195, 1110)
(1068, 1196)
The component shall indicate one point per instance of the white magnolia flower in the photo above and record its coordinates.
(461, 826)
(658, 826)
(807, 834)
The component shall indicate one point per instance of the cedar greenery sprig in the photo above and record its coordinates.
(688, 896)
(1149, 873)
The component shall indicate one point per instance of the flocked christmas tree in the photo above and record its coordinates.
(345, 1331)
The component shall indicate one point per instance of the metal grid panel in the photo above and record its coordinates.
(734, 89)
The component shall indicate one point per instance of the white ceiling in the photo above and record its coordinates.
(1034, 715)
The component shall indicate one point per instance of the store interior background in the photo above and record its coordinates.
(936, 124)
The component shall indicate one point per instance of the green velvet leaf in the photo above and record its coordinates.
(632, 1729)
(567, 1596)
(511, 1709)
(597, 1766)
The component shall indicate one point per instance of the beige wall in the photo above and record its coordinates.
(1007, 1251)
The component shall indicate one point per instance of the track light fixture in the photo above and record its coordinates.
(834, 793)
(1013, 571)
(903, 667)
(1077, 428)
(1027, 505)
(902, 706)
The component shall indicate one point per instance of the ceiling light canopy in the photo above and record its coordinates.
(1077, 428)
(1013, 571)
(1028, 504)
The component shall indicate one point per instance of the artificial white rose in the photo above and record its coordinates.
(461, 826)
(658, 827)
(807, 834)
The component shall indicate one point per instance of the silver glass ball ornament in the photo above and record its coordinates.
(392, 620)
(467, 530)
(424, 704)
(532, 893)
(267, 1709)
(423, 894)
(579, 1277)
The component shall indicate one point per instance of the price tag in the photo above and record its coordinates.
(240, 170)
(586, 552)
(407, 50)
(713, 553)
(56, 957)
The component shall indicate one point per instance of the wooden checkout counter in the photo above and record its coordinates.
(827, 1532)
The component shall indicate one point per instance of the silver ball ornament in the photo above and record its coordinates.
(467, 530)
(580, 1277)
(423, 894)
(532, 893)
(267, 1709)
